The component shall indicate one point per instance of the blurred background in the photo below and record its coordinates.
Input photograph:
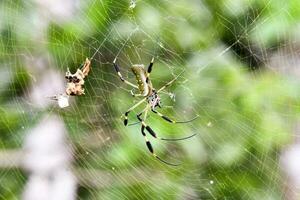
(241, 77)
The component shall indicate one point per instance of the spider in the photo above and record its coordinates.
(152, 99)
(75, 84)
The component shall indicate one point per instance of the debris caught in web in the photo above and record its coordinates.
(62, 100)
(172, 96)
(132, 4)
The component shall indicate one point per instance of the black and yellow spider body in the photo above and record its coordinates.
(144, 84)
(150, 96)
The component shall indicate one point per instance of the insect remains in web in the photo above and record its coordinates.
(150, 96)
(132, 4)
(75, 83)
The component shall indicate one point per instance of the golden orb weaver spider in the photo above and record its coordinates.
(151, 97)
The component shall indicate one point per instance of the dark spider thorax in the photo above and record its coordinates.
(153, 99)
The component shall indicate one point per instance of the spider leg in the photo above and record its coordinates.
(135, 95)
(148, 144)
(169, 83)
(171, 120)
(135, 123)
(117, 68)
(130, 109)
(149, 70)
(153, 134)
(150, 148)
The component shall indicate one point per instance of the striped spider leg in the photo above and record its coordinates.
(117, 68)
(154, 135)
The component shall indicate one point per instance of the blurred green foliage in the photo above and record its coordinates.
(247, 112)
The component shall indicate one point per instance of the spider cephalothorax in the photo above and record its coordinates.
(151, 97)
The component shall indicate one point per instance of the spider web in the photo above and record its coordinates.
(240, 76)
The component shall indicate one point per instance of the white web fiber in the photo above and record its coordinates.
(239, 75)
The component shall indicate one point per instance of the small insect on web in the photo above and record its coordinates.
(75, 83)
(151, 97)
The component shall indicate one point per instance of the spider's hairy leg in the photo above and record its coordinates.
(149, 70)
(150, 148)
(144, 125)
(117, 68)
(130, 109)
(149, 145)
(171, 120)
(153, 134)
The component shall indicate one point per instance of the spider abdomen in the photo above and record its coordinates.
(141, 78)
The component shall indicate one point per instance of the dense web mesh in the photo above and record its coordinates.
(240, 76)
